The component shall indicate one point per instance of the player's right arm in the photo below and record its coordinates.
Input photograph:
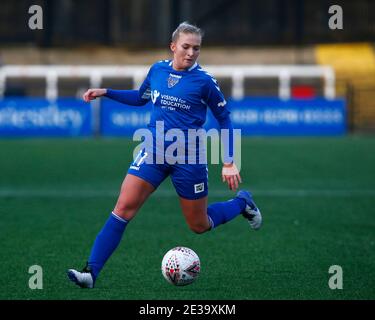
(92, 94)
(130, 97)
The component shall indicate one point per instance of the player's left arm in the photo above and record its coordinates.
(217, 103)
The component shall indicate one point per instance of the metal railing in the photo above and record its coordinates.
(237, 73)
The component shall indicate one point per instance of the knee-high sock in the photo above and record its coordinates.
(106, 242)
(222, 212)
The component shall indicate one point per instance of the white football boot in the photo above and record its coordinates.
(251, 212)
(83, 278)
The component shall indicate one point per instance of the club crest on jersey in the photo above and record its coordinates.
(173, 79)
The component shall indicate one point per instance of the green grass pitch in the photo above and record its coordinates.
(317, 197)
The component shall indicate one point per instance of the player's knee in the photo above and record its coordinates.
(125, 209)
(199, 228)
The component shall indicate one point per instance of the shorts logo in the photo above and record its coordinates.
(173, 80)
(199, 187)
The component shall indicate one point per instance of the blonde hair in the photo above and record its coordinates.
(186, 27)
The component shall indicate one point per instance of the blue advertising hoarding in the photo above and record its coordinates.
(117, 119)
(24, 117)
(254, 116)
(272, 116)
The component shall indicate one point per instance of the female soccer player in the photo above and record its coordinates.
(180, 91)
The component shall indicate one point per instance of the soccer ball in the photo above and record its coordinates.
(180, 266)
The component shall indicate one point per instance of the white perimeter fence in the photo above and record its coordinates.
(237, 73)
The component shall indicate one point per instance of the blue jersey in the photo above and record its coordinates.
(181, 98)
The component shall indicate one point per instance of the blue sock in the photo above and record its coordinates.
(106, 242)
(222, 212)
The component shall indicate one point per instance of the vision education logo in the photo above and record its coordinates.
(169, 102)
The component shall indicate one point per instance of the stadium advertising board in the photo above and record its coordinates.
(117, 119)
(290, 117)
(254, 116)
(26, 117)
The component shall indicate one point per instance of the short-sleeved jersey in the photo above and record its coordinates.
(180, 98)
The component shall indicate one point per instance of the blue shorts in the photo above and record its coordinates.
(189, 180)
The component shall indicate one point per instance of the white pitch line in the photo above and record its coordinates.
(92, 193)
